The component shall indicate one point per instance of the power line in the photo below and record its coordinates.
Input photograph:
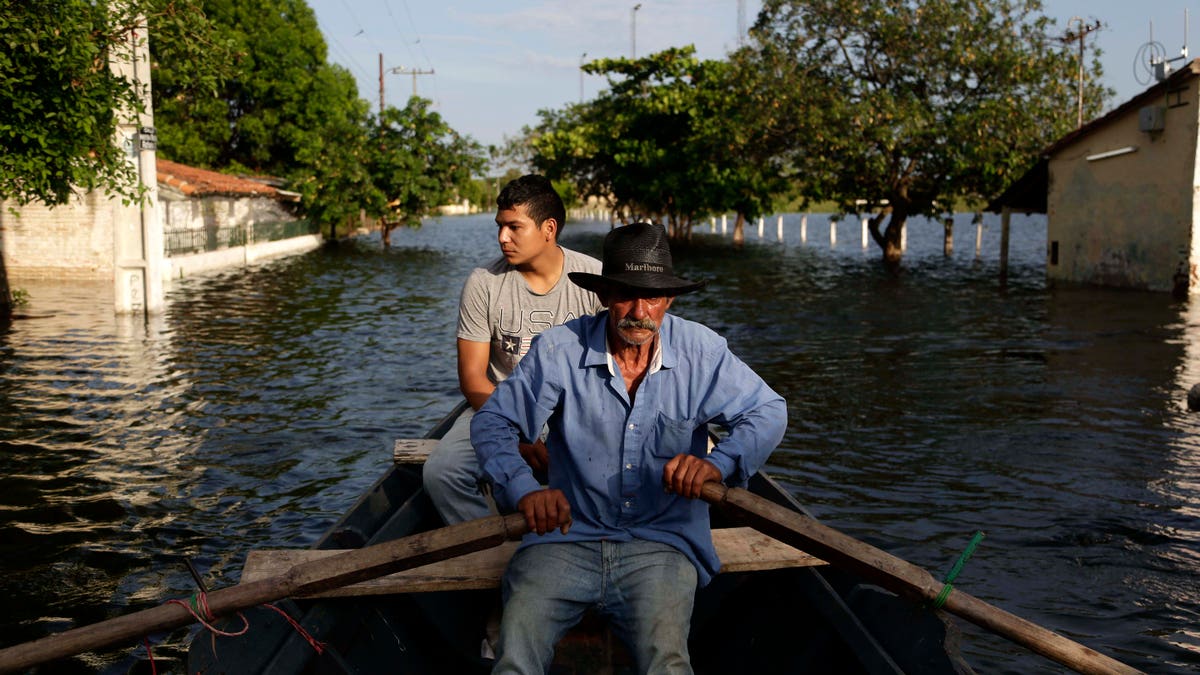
(417, 33)
(396, 23)
(345, 54)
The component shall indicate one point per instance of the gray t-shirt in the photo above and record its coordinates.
(497, 306)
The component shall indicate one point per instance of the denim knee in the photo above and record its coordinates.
(451, 476)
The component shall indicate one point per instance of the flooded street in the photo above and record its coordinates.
(923, 407)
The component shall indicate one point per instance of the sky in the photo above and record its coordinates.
(495, 64)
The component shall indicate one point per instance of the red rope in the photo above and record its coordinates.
(153, 668)
(198, 603)
(317, 645)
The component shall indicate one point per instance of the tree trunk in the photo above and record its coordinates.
(889, 239)
(892, 252)
(385, 232)
(739, 230)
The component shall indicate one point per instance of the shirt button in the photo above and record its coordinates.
(628, 504)
(629, 467)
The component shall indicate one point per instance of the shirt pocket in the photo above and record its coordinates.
(672, 437)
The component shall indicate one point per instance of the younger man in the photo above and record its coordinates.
(503, 306)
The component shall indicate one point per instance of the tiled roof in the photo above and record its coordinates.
(195, 182)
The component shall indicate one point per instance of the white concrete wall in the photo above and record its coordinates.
(209, 221)
(239, 256)
(72, 241)
(75, 241)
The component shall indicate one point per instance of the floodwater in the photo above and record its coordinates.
(923, 407)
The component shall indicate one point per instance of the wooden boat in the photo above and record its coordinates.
(797, 617)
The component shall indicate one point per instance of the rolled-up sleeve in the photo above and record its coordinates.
(756, 417)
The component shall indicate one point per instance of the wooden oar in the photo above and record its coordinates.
(901, 577)
(310, 577)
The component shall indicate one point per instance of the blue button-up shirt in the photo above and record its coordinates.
(607, 454)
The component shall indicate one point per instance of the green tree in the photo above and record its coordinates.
(672, 137)
(272, 110)
(913, 104)
(62, 101)
(332, 171)
(418, 163)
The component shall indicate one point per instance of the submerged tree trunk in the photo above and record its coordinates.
(385, 232)
(889, 239)
(739, 230)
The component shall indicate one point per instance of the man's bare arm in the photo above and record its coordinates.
(472, 371)
(473, 381)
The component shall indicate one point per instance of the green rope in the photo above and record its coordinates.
(953, 573)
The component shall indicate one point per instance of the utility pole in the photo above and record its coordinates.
(581, 58)
(633, 30)
(1079, 35)
(741, 23)
(400, 70)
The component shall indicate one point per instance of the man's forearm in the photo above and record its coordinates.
(495, 441)
(478, 396)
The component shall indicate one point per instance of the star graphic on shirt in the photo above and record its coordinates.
(511, 344)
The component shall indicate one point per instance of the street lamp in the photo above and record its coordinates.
(581, 58)
(633, 30)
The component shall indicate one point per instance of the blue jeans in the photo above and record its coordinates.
(451, 475)
(645, 589)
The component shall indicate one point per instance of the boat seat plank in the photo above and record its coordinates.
(741, 549)
(412, 450)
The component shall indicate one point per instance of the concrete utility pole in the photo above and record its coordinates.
(399, 70)
(1079, 35)
(138, 260)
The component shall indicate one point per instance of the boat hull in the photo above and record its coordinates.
(801, 619)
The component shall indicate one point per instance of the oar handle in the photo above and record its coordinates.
(902, 577)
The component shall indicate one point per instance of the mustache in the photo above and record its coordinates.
(644, 324)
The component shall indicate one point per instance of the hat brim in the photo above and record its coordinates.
(635, 282)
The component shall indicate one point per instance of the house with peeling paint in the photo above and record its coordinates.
(1122, 193)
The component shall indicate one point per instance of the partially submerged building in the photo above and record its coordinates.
(1122, 193)
(209, 221)
(213, 220)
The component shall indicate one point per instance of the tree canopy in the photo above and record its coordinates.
(238, 85)
(892, 107)
(288, 112)
(913, 104)
(63, 99)
(418, 163)
(668, 139)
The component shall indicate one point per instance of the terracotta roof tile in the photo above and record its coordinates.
(201, 182)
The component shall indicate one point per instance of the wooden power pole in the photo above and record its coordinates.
(1079, 36)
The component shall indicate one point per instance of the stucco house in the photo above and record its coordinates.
(1122, 193)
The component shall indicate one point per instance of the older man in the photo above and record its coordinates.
(627, 395)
